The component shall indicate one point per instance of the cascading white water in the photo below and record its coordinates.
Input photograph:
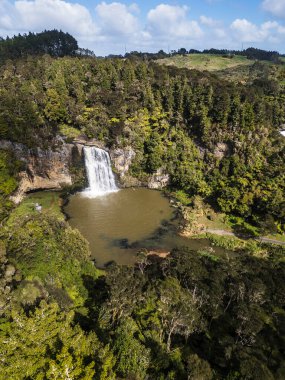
(101, 179)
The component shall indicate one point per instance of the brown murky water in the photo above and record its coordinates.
(117, 225)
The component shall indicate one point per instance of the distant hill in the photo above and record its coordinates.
(53, 42)
(208, 62)
(236, 68)
(249, 53)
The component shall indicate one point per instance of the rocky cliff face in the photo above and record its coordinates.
(122, 160)
(64, 166)
(43, 169)
(158, 180)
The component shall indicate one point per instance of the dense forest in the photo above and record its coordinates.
(53, 42)
(194, 315)
(175, 119)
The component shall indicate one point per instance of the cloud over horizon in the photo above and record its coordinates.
(171, 21)
(107, 27)
(37, 15)
(246, 31)
(276, 7)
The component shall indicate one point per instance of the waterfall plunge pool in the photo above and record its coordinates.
(119, 224)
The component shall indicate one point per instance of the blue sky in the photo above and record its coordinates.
(110, 26)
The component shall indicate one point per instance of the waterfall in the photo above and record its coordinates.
(101, 179)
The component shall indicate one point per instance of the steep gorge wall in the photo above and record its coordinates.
(122, 160)
(63, 166)
(42, 169)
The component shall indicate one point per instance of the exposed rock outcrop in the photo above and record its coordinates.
(158, 180)
(122, 159)
(81, 142)
(63, 166)
(160, 253)
(221, 150)
(43, 169)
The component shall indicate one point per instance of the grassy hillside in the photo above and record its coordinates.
(235, 69)
(209, 62)
(49, 200)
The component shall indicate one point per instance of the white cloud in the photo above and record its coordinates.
(276, 7)
(37, 15)
(246, 31)
(134, 8)
(117, 19)
(5, 14)
(165, 13)
(208, 21)
(6, 19)
(220, 33)
(215, 30)
(281, 29)
(171, 21)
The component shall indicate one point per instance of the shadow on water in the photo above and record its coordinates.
(166, 228)
(119, 225)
